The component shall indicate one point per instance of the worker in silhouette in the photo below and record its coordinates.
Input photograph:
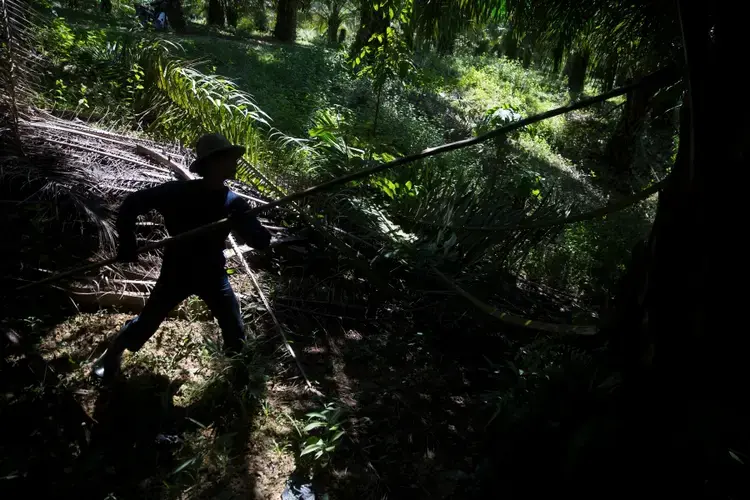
(194, 266)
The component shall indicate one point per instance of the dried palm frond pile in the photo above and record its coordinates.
(95, 169)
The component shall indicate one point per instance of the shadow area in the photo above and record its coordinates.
(128, 440)
(129, 452)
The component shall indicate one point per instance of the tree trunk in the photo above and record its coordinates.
(286, 21)
(334, 21)
(690, 253)
(260, 18)
(608, 78)
(684, 368)
(446, 43)
(527, 51)
(370, 22)
(231, 14)
(526, 59)
(621, 148)
(579, 62)
(175, 16)
(557, 56)
(510, 46)
(215, 13)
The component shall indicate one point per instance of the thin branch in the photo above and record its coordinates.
(178, 170)
(267, 305)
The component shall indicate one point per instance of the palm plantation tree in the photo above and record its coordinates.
(286, 20)
(332, 13)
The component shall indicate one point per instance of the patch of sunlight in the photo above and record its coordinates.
(386, 226)
(180, 350)
(567, 174)
(267, 57)
(307, 36)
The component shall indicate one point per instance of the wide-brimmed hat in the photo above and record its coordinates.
(211, 145)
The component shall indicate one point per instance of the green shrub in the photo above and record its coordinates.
(245, 27)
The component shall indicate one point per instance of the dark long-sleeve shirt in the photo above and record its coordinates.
(186, 205)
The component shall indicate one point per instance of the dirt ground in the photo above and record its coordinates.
(182, 423)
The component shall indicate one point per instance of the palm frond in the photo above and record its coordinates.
(18, 60)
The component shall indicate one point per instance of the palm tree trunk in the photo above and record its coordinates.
(622, 145)
(577, 77)
(370, 22)
(610, 72)
(510, 46)
(334, 21)
(286, 21)
(215, 13)
(231, 14)
(175, 16)
(684, 364)
(557, 56)
(527, 51)
(377, 111)
(446, 44)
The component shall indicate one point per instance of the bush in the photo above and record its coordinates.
(245, 27)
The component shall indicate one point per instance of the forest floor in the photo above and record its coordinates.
(413, 412)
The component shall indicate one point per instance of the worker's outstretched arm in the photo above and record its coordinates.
(136, 204)
(247, 226)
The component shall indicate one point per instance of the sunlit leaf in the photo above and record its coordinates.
(312, 426)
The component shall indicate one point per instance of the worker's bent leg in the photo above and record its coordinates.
(164, 297)
(218, 295)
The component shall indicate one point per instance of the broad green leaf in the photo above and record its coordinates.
(313, 425)
(308, 450)
(312, 448)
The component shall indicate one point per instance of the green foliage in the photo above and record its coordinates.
(144, 79)
(196, 103)
(329, 15)
(245, 27)
(322, 433)
(386, 56)
(541, 378)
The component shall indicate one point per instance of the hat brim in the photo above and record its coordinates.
(198, 165)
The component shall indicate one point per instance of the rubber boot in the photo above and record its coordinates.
(107, 366)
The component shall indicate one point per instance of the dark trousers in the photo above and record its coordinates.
(170, 290)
